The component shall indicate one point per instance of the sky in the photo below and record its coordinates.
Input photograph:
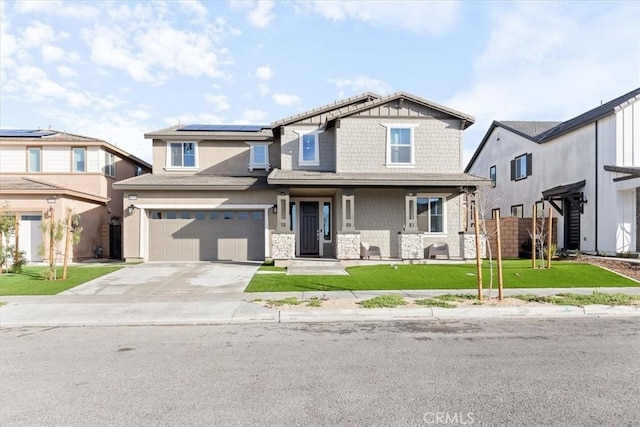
(117, 69)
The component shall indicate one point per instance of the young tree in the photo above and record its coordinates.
(68, 229)
(7, 228)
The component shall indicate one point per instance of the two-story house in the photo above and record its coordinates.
(386, 171)
(586, 168)
(44, 172)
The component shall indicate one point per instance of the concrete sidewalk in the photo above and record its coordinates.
(233, 308)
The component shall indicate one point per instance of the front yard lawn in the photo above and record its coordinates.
(32, 282)
(517, 274)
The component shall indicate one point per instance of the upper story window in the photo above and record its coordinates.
(182, 155)
(109, 164)
(309, 152)
(521, 167)
(259, 156)
(79, 159)
(492, 175)
(34, 162)
(517, 210)
(400, 145)
(137, 170)
(430, 214)
(495, 212)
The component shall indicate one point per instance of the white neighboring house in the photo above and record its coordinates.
(587, 168)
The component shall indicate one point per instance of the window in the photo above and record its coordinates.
(199, 215)
(257, 215)
(292, 215)
(228, 215)
(540, 209)
(492, 175)
(79, 159)
(214, 215)
(259, 157)
(400, 144)
(109, 164)
(495, 212)
(156, 215)
(430, 214)
(517, 211)
(521, 167)
(137, 170)
(308, 147)
(243, 215)
(35, 159)
(326, 220)
(182, 154)
(185, 215)
(171, 215)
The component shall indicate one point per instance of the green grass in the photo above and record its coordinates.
(456, 297)
(270, 266)
(284, 301)
(517, 274)
(581, 300)
(383, 301)
(314, 303)
(429, 302)
(31, 281)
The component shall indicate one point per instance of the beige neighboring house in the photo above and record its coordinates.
(367, 170)
(44, 172)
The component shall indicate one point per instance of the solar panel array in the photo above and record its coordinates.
(25, 133)
(224, 128)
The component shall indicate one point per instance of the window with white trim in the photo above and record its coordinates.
(430, 216)
(35, 159)
(182, 155)
(259, 156)
(309, 151)
(400, 145)
(109, 164)
(79, 159)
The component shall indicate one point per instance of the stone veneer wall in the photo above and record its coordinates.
(348, 245)
(410, 246)
(468, 245)
(283, 245)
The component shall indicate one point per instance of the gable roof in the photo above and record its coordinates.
(41, 136)
(353, 109)
(357, 99)
(184, 132)
(24, 185)
(545, 131)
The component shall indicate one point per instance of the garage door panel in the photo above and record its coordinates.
(207, 236)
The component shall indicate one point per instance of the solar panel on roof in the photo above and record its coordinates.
(223, 128)
(25, 133)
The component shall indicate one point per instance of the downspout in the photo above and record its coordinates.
(596, 181)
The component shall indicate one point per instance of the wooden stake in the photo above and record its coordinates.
(478, 257)
(533, 238)
(66, 246)
(52, 215)
(549, 238)
(17, 233)
(499, 244)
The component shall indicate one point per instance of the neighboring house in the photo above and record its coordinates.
(46, 171)
(587, 168)
(386, 171)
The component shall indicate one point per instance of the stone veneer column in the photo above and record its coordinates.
(348, 244)
(283, 245)
(410, 245)
(468, 246)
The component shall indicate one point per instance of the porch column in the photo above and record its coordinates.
(411, 212)
(348, 239)
(283, 240)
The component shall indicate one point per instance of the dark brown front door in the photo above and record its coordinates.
(571, 223)
(309, 226)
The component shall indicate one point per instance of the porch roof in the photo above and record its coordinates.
(630, 172)
(363, 179)
(563, 190)
(191, 182)
(17, 185)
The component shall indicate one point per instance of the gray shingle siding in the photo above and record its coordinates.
(290, 149)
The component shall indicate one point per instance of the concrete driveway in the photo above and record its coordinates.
(175, 281)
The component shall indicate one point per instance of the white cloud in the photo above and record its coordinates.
(263, 89)
(220, 102)
(264, 72)
(37, 34)
(411, 15)
(549, 61)
(52, 53)
(57, 7)
(194, 118)
(261, 16)
(359, 84)
(66, 72)
(251, 116)
(285, 99)
(194, 7)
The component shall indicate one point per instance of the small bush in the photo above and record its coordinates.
(456, 297)
(284, 301)
(314, 303)
(383, 301)
(19, 262)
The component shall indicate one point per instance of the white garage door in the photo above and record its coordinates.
(233, 235)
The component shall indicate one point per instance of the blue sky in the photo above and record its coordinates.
(114, 70)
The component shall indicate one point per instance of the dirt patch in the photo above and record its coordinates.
(627, 268)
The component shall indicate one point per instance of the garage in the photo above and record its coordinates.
(207, 235)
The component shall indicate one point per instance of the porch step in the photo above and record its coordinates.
(321, 267)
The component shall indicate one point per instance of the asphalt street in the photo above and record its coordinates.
(556, 372)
